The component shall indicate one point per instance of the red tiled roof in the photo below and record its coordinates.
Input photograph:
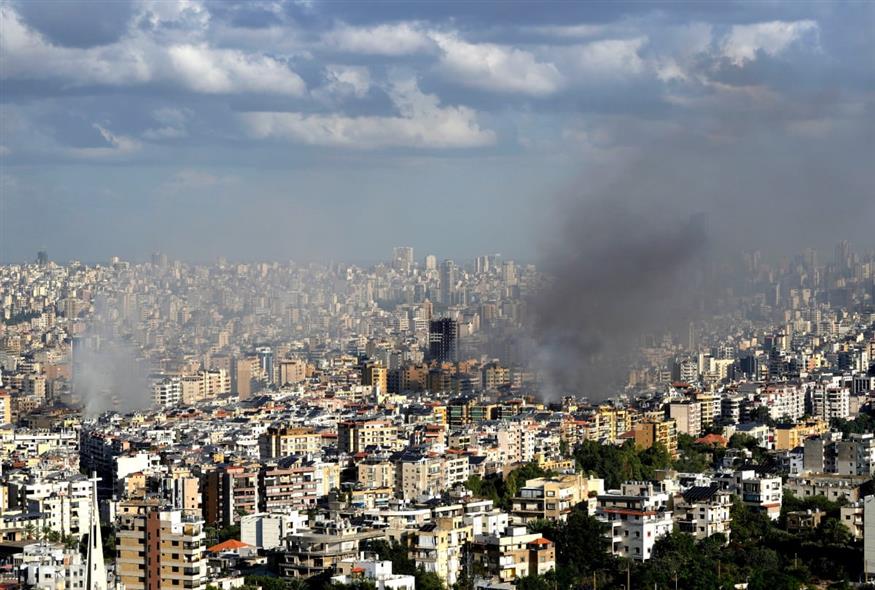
(712, 439)
(229, 545)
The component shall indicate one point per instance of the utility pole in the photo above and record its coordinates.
(628, 576)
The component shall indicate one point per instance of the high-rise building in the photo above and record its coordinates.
(228, 492)
(443, 340)
(508, 273)
(375, 375)
(245, 370)
(402, 259)
(431, 262)
(159, 548)
(265, 361)
(843, 256)
(448, 279)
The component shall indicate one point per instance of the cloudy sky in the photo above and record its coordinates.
(310, 129)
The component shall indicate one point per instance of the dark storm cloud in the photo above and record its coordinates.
(78, 23)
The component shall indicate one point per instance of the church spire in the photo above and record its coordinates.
(96, 569)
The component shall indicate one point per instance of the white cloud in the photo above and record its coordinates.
(347, 80)
(209, 70)
(389, 39)
(139, 59)
(495, 67)
(743, 42)
(189, 15)
(27, 54)
(421, 123)
(680, 48)
(608, 57)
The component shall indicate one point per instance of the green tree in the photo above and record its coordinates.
(428, 580)
(612, 463)
(654, 458)
(581, 545)
(395, 552)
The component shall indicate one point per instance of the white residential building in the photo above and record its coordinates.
(703, 511)
(760, 493)
(638, 516)
(379, 572)
(50, 566)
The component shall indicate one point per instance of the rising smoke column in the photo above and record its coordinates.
(108, 372)
(615, 273)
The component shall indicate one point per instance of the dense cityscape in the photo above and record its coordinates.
(280, 425)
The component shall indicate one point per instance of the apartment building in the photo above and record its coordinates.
(418, 476)
(283, 441)
(833, 486)
(375, 474)
(790, 436)
(159, 549)
(228, 492)
(759, 493)
(293, 484)
(830, 402)
(653, 431)
(687, 415)
(702, 511)
(309, 552)
(638, 515)
(49, 566)
(353, 571)
(514, 553)
(553, 498)
(354, 436)
(269, 530)
(440, 547)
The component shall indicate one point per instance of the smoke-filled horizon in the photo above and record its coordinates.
(632, 250)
